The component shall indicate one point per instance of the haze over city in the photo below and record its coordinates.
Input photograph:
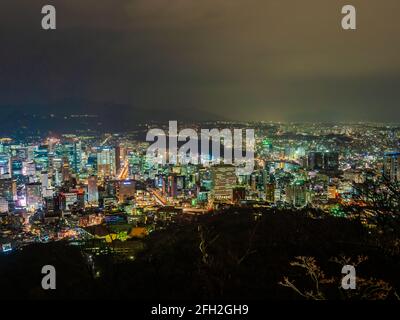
(235, 60)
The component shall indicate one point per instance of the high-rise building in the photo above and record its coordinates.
(117, 158)
(8, 189)
(65, 171)
(125, 189)
(106, 165)
(296, 194)
(331, 161)
(29, 169)
(93, 192)
(3, 205)
(72, 151)
(34, 195)
(5, 164)
(315, 160)
(16, 170)
(41, 157)
(72, 200)
(172, 186)
(44, 179)
(270, 192)
(223, 182)
(391, 166)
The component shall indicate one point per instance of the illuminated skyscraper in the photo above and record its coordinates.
(223, 182)
(65, 171)
(44, 179)
(3, 205)
(93, 193)
(296, 194)
(391, 166)
(8, 189)
(16, 169)
(172, 186)
(41, 157)
(34, 195)
(270, 192)
(125, 189)
(5, 164)
(117, 158)
(106, 165)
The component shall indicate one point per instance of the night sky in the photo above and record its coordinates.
(272, 60)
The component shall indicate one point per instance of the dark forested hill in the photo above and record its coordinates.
(236, 254)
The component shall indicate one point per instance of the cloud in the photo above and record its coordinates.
(243, 59)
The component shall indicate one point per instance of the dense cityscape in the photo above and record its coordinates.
(85, 186)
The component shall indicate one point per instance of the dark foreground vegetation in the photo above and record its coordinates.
(233, 255)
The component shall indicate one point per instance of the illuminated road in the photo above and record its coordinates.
(163, 201)
(105, 140)
(158, 196)
(124, 172)
(194, 210)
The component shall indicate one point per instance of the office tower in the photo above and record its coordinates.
(110, 187)
(93, 192)
(80, 198)
(331, 161)
(50, 205)
(223, 182)
(73, 200)
(30, 153)
(125, 190)
(106, 166)
(180, 183)
(117, 158)
(65, 171)
(315, 160)
(67, 201)
(29, 169)
(8, 189)
(391, 166)
(21, 153)
(71, 151)
(33, 195)
(47, 192)
(41, 157)
(270, 192)
(172, 186)
(16, 168)
(91, 163)
(44, 179)
(77, 156)
(296, 194)
(3, 205)
(5, 164)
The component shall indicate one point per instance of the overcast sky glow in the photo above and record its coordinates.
(235, 59)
